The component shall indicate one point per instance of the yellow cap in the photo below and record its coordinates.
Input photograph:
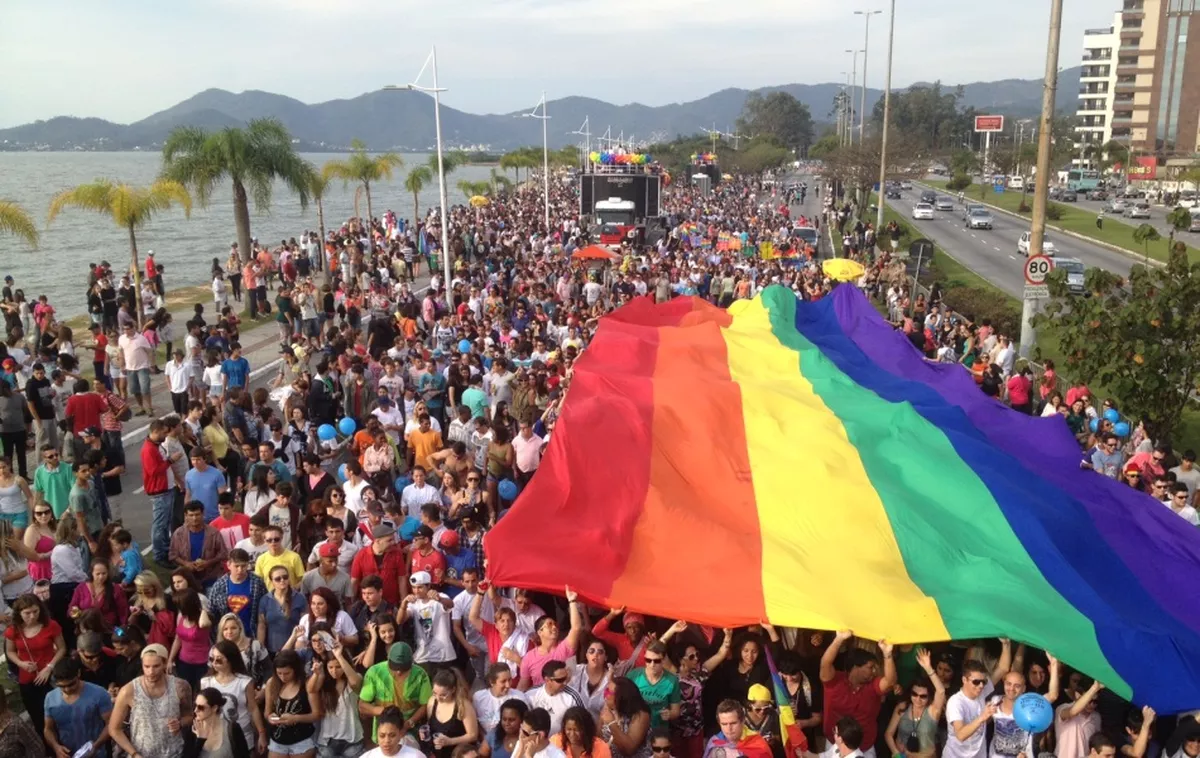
(758, 694)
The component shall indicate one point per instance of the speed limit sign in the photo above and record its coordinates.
(1037, 269)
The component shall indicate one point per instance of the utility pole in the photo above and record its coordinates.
(585, 131)
(1041, 189)
(887, 112)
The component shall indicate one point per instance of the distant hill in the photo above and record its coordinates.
(403, 120)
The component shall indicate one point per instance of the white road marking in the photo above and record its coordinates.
(1010, 256)
(995, 248)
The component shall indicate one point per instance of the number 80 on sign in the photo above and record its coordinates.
(1038, 268)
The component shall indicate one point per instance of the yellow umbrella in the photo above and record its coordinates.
(478, 201)
(726, 177)
(842, 269)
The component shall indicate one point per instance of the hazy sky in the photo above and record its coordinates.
(123, 60)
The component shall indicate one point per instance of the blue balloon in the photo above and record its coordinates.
(326, 432)
(1033, 713)
(342, 473)
(402, 482)
(347, 426)
(508, 489)
(1094, 425)
(464, 346)
(1121, 429)
(1111, 415)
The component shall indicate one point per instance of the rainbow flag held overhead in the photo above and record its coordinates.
(803, 464)
(794, 741)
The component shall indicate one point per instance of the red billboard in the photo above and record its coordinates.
(989, 123)
(1144, 169)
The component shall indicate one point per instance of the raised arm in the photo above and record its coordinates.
(1053, 691)
(888, 680)
(722, 653)
(576, 619)
(828, 672)
(925, 661)
(1078, 706)
(1004, 665)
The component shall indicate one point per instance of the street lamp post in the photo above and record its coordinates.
(545, 154)
(862, 115)
(887, 112)
(437, 124)
(853, 83)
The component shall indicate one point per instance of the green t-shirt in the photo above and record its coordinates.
(283, 308)
(55, 486)
(378, 687)
(662, 694)
(475, 399)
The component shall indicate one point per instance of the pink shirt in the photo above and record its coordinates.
(534, 659)
(528, 452)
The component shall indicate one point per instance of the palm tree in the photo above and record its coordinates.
(364, 169)
(130, 207)
(318, 184)
(415, 182)
(252, 158)
(15, 221)
(499, 182)
(470, 189)
(512, 160)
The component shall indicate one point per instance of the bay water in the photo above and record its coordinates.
(58, 268)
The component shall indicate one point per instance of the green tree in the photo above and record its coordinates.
(1180, 220)
(363, 169)
(777, 115)
(1139, 337)
(1145, 234)
(500, 183)
(958, 183)
(129, 207)
(15, 221)
(251, 158)
(757, 157)
(964, 162)
(824, 147)
(416, 180)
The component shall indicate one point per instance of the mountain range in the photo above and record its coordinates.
(403, 120)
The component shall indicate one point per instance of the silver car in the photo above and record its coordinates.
(943, 203)
(1117, 206)
(979, 219)
(1075, 270)
(1140, 209)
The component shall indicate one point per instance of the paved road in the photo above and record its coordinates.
(993, 254)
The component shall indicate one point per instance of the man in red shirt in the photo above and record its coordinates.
(156, 483)
(427, 558)
(625, 644)
(385, 559)
(99, 357)
(858, 691)
(84, 407)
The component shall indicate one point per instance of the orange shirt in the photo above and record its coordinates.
(424, 444)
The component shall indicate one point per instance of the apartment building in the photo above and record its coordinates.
(1097, 82)
(1156, 96)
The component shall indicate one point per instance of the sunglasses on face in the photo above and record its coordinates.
(279, 579)
(42, 512)
(650, 661)
(921, 695)
(273, 540)
(661, 748)
(978, 682)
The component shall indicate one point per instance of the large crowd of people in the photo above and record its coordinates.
(319, 585)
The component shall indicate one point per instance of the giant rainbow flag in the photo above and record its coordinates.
(801, 463)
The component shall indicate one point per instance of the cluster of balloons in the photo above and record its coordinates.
(1120, 428)
(327, 432)
(704, 157)
(611, 158)
(1033, 713)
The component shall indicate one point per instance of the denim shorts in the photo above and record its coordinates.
(340, 749)
(18, 520)
(139, 381)
(300, 748)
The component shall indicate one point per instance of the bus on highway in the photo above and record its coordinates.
(1083, 181)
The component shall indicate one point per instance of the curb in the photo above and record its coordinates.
(1135, 257)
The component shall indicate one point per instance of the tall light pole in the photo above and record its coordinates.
(437, 91)
(545, 154)
(841, 111)
(862, 115)
(1041, 187)
(887, 112)
(853, 83)
(584, 131)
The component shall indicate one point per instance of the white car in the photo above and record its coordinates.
(923, 211)
(1023, 245)
(1140, 209)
